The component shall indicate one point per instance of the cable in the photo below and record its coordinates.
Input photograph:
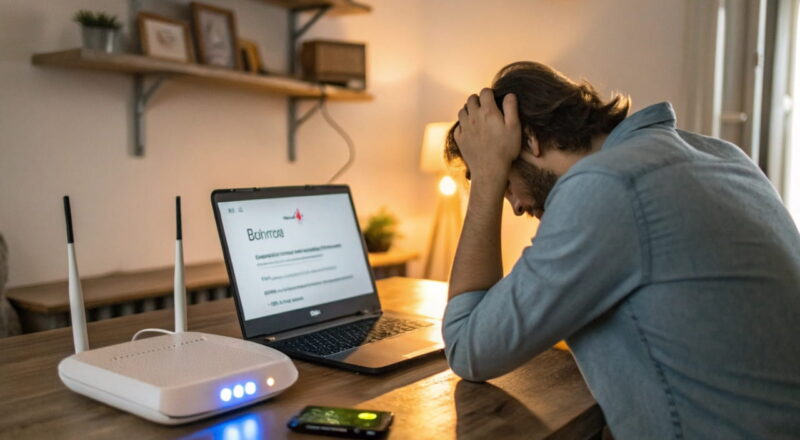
(351, 149)
(151, 330)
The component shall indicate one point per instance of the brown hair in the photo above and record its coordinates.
(559, 112)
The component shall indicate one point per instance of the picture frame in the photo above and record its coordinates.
(216, 36)
(165, 38)
(250, 57)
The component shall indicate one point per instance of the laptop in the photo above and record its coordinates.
(302, 282)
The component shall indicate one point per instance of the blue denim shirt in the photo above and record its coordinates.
(671, 267)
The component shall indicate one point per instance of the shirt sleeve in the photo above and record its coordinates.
(586, 257)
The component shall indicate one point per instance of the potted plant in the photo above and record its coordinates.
(380, 231)
(100, 31)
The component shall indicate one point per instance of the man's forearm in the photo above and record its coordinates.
(478, 263)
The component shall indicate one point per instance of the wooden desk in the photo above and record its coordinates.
(544, 399)
(46, 306)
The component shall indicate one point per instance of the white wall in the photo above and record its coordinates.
(66, 132)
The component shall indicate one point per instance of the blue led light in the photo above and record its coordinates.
(250, 388)
(250, 429)
(238, 391)
(225, 394)
(231, 432)
(247, 427)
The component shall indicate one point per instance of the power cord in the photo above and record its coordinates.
(351, 149)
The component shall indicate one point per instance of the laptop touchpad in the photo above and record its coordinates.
(396, 349)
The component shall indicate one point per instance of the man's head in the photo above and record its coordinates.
(559, 118)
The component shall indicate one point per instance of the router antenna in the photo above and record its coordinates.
(76, 307)
(179, 286)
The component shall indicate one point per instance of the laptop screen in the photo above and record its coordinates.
(293, 254)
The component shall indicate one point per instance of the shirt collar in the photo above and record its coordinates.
(661, 113)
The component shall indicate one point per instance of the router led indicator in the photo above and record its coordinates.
(250, 388)
(270, 381)
(225, 394)
(238, 391)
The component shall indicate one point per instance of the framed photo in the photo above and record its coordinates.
(250, 57)
(215, 33)
(165, 38)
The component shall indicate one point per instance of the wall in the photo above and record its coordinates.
(66, 132)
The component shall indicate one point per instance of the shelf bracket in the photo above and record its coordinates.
(295, 122)
(141, 96)
(295, 33)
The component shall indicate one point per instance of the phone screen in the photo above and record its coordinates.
(345, 422)
(324, 415)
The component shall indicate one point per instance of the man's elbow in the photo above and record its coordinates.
(467, 373)
(466, 365)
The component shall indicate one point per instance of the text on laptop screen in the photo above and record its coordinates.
(290, 253)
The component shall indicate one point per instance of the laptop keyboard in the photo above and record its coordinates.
(344, 337)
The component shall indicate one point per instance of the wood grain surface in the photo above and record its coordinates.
(131, 63)
(338, 7)
(546, 397)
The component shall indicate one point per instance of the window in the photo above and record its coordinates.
(744, 75)
(792, 104)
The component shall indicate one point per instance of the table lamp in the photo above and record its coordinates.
(447, 220)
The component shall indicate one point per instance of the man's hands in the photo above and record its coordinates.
(488, 139)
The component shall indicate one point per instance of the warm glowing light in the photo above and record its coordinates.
(367, 416)
(270, 381)
(250, 388)
(432, 155)
(447, 186)
(225, 394)
(238, 391)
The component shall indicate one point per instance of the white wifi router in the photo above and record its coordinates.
(175, 378)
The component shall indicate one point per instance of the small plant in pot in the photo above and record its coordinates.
(100, 31)
(380, 231)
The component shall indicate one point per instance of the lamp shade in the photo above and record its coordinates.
(432, 156)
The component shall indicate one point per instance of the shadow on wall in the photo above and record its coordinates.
(17, 45)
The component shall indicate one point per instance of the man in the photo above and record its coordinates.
(664, 258)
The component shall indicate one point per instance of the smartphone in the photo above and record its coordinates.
(342, 422)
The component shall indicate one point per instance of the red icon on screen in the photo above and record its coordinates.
(296, 216)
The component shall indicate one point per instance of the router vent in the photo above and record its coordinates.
(157, 349)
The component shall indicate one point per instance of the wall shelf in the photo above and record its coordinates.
(337, 7)
(140, 67)
(139, 64)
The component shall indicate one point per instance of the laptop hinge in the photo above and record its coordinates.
(320, 326)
